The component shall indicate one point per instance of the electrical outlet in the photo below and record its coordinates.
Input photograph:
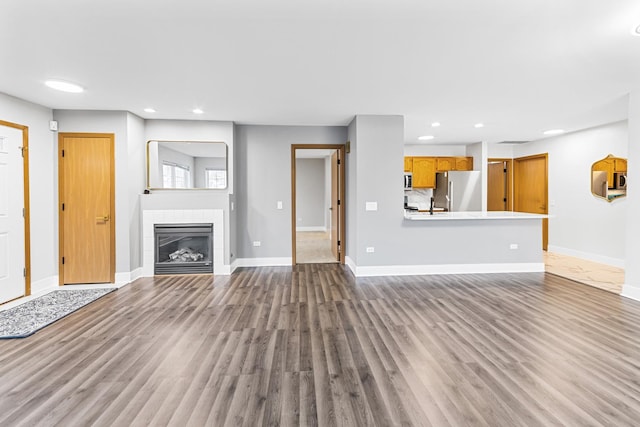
(279, 204)
(513, 246)
(371, 249)
(371, 206)
(256, 243)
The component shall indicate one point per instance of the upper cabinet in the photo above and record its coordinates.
(609, 178)
(424, 172)
(424, 168)
(408, 164)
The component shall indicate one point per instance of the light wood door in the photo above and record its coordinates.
(12, 225)
(87, 223)
(499, 185)
(335, 247)
(424, 172)
(531, 188)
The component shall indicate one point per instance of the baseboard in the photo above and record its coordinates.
(414, 270)
(135, 274)
(615, 262)
(223, 270)
(632, 292)
(45, 285)
(262, 262)
(314, 228)
(351, 264)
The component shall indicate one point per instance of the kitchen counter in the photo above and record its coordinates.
(472, 215)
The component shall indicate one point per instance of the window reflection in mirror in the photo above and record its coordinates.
(186, 165)
(609, 178)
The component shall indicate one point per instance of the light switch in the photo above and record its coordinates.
(371, 206)
(279, 204)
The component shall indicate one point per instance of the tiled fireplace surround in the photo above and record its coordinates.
(182, 216)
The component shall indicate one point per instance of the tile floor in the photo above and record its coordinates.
(591, 273)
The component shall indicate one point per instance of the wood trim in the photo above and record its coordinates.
(509, 163)
(27, 217)
(112, 225)
(342, 188)
(545, 221)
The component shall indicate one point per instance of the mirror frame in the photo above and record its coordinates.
(609, 171)
(226, 165)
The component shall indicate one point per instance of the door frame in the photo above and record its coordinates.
(341, 195)
(545, 221)
(509, 163)
(27, 223)
(112, 222)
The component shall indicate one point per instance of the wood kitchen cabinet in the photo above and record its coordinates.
(424, 172)
(446, 164)
(408, 164)
(463, 163)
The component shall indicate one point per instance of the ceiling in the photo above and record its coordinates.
(519, 67)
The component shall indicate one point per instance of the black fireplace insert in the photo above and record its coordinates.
(183, 248)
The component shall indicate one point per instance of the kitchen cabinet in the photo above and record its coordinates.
(445, 164)
(408, 164)
(464, 163)
(424, 172)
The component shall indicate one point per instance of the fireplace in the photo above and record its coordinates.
(183, 248)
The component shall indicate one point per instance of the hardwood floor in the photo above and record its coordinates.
(311, 345)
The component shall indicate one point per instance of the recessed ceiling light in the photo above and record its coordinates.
(435, 124)
(425, 137)
(149, 110)
(64, 86)
(198, 111)
(553, 132)
(478, 125)
(636, 31)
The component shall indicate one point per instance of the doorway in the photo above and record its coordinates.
(530, 188)
(499, 185)
(317, 214)
(15, 266)
(86, 193)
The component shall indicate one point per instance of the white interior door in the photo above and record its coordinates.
(12, 251)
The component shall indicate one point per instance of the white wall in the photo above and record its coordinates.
(43, 187)
(434, 150)
(137, 183)
(581, 224)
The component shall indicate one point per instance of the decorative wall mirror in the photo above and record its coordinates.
(186, 165)
(609, 178)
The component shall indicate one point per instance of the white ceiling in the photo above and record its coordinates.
(519, 66)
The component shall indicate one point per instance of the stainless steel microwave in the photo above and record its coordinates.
(620, 181)
(408, 181)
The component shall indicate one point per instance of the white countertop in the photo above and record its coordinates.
(472, 215)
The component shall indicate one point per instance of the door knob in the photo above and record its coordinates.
(103, 218)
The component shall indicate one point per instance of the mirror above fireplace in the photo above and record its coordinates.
(186, 165)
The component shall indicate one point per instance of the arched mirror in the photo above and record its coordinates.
(609, 178)
(186, 165)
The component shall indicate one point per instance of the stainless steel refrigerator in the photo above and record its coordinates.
(458, 191)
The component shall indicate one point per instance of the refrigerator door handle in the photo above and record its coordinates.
(450, 201)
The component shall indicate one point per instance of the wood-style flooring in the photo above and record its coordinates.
(311, 345)
(313, 247)
(601, 276)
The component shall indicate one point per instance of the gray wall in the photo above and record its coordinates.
(310, 193)
(264, 178)
(43, 186)
(351, 190)
(137, 179)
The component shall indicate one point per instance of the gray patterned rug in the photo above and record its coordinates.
(26, 319)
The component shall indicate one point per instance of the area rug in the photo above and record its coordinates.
(28, 318)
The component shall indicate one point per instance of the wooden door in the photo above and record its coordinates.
(531, 188)
(335, 248)
(499, 185)
(87, 208)
(13, 230)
